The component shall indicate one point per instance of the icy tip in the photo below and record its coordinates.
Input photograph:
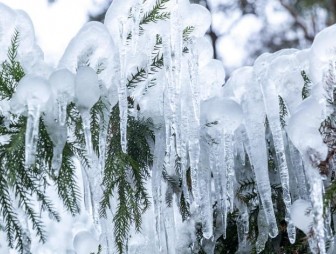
(273, 231)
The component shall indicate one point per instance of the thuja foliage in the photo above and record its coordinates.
(24, 189)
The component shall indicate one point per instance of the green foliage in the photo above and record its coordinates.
(246, 191)
(20, 187)
(99, 250)
(125, 175)
(157, 64)
(283, 112)
(307, 85)
(67, 182)
(156, 14)
(11, 71)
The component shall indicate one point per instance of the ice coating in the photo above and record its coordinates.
(288, 79)
(322, 52)
(224, 112)
(246, 89)
(92, 46)
(84, 242)
(197, 16)
(118, 9)
(211, 87)
(62, 84)
(32, 90)
(31, 96)
(308, 118)
(87, 93)
(269, 86)
(301, 215)
(28, 52)
(305, 123)
(243, 226)
(87, 90)
(207, 127)
(263, 231)
(57, 133)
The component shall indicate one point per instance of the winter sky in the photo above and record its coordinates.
(55, 24)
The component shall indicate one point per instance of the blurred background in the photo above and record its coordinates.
(241, 29)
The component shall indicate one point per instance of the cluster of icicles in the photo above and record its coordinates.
(208, 125)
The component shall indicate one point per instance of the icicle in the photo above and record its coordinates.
(184, 128)
(136, 13)
(220, 179)
(242, 227)
(159, 153)
(298, 170)
(229, 163)
(149, 50)
(194, 82)
(327, 226)
(205, 194)
(86, 118)
(194, 121)
(31, 134)
(272, 107)
(316, 187)
(103, 130)
(31, 94)
(176, 56)
(169, 226)
(57, 134)
(239, 144)
(303, 131)
(87, 94)
(122, 88)
(107, 235)
(62, 83)
(263, 231)
(170, 112)
(62, 106)
(255, 145)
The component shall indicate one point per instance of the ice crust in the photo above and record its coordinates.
(210, 125)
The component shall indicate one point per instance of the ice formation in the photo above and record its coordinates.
(87, 93)
(31, 97)
(62, 84)
(211, 127)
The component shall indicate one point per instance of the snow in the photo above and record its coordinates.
(206, 123)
